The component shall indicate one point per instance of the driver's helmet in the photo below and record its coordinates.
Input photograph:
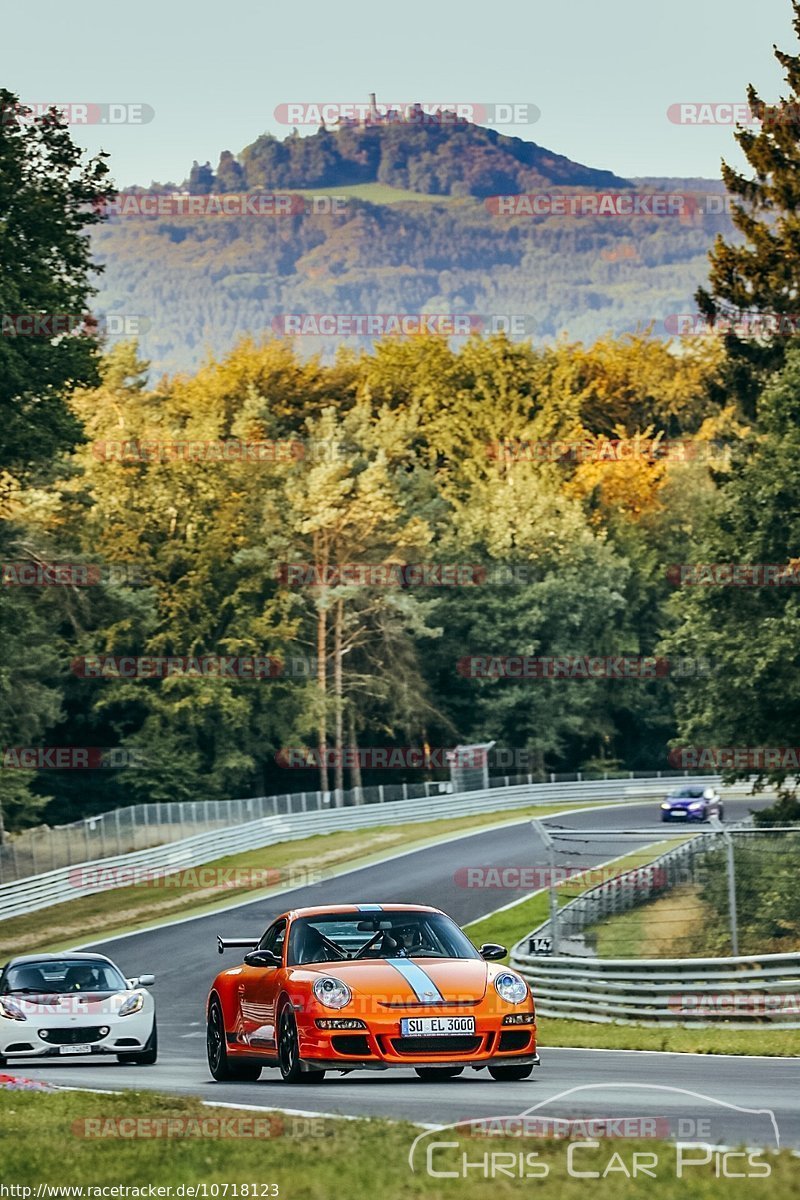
(80, 978)
(409, 936)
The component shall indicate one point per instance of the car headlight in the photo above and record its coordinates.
(132, 1005)
(665, 805)
(333, 993)
(510, 987)
(8, 1008)
(696, 804)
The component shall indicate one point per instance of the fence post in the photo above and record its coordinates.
(732, 896)
(119, 831)
(380, 793)
(547, 840)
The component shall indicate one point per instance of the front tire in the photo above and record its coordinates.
(220, 1066)
(509, 1074)
(437, 1074)
(289, 1051)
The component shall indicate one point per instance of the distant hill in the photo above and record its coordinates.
(414, 231)
(438, 159)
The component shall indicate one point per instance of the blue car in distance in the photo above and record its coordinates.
(692, 802)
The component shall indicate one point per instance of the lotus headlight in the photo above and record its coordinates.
(132, 1005)
(10, 1009)
(666, 805)
(510, 987)
(333, 993)
(696, 804)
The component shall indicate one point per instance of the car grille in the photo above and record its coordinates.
(351, 1044)
(514, 1039)
(454, 1044)
(71, 1037)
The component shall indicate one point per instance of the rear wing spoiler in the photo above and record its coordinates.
(224, 944)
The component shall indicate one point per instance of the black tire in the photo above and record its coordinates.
(289, 1051)
(146, 1057)
(220, 1066)
(509, 1074)
(437, 1074)
(3, 1061)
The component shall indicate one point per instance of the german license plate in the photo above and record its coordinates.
(436, 1026)
(78, 1048)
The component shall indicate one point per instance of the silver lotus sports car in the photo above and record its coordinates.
(60, 1005)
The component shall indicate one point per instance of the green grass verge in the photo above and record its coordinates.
(511, 925)
(657, 929)
(119, 910)
(557, 1031)
(43, 1141)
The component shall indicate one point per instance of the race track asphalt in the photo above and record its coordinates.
(682, 1089)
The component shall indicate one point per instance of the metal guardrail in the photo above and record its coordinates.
(747, 990)
(742, 990)
(69, 883)
(137, 827)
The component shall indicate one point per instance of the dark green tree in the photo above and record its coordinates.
(753, 699)
(49, 196)
(760, 274)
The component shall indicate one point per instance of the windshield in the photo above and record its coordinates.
(333, 937)
(688, 793)
(67, 976)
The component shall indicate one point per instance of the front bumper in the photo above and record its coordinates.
(126, 1035)
(368, 1064)
(381, 1045)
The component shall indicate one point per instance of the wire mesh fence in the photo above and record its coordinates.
(728, 891)
(141, 826)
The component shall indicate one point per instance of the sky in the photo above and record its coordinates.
(602, 75)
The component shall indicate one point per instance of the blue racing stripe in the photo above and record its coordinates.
(424, 987)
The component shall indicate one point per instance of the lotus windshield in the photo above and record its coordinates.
(67, 977)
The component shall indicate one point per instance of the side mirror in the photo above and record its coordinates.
(146, 980)
(262, 958)
(492, 950)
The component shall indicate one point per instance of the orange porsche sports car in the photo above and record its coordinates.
(355, 987)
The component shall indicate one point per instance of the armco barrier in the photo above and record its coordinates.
(140, 826)
(68, 883)
(747, 990)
